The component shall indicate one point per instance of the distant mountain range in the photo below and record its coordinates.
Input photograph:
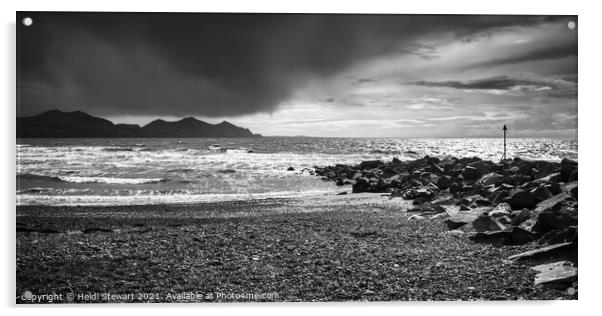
(58, 124)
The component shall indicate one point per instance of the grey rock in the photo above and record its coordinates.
(502, 209)
(470, 172)
(567, 251)
(491, 179)
(464, 217)
(484, 222)
(509, 236)
(370, 164)
(541, 193)
(558, 236)
(551, 202)
(557, 275)
(520, 199)
(568, 170)
(519, 217)
(560, 216)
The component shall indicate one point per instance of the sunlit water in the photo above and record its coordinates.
(151, 171)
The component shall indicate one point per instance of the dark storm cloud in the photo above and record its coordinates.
(556, 87)
(205, 64)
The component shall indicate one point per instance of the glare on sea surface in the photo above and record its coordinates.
(154, 171)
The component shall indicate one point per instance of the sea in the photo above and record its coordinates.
(91, 172)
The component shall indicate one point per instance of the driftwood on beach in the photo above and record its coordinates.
(512, 202)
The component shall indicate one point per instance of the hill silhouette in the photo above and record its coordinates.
(58, 124)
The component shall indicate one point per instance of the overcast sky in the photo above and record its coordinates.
(316, 75)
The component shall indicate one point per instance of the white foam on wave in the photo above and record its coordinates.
(241, 150)
(109, 200)
(108, 180)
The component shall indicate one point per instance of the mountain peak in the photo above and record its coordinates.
(189, 119)
(225, 123)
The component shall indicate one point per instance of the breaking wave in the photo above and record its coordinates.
(108, 180)
(79, 179)
(38, 177)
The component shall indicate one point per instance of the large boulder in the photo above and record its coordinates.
(551, 202)
(423, 193)
(491, 179)
(464, 217)
(558, 236)
(518, 217)
(502, 209)
(451, 210)
(568, 170)
(485, 222)
(388, 172)
(542, 193)
(475, 200)
(416, 217)
(543, 206)
(546, 169)
(568, 162)
(363, 185)
(509, 236)
(554, 187)
(557, 275)
(525, 169)
(551, 178)
(370, 164)
(427, 177)
(435, 168)
(483, 166)
(444, 182)
(567, 187)
(515, 179)
(471, 173)
(574, 192)
(566, 251)
(520, 199)
(455, 188)
(497, 195)
(560, 216)
(519, 236)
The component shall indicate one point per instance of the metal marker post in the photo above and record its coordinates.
(505, 129)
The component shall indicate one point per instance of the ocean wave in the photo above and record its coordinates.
(240, 150)
(35, 190)
(227, 171)
(150, 199)
(110, 180)
(229, 150)
(80, 179)
(118, 149)
(185, 181)
(183, 170)
(38, 177)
